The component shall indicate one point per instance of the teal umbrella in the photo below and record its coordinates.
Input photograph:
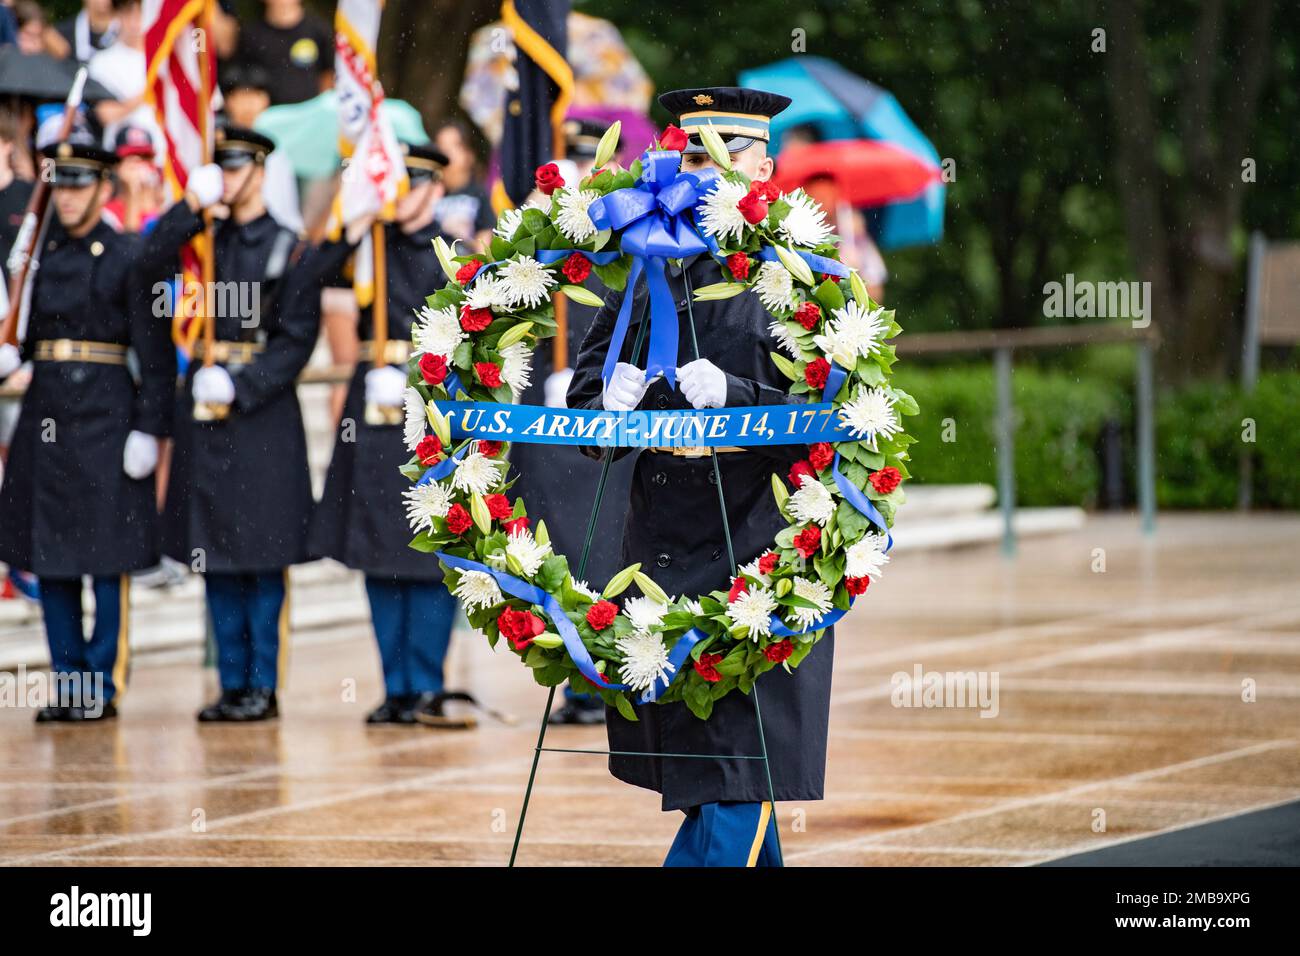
(308, 132)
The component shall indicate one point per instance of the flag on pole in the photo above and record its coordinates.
(184, 105)
(375, 174)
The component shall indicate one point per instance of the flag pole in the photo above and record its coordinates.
(206, 411)
(560, 356)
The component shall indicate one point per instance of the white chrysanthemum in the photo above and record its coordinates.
(816, 592)
(413, 426)
(489, 292)
(523, 547)
(475, 474)
(508, 222)
(695, 607)
(805, 223)
(645, 660)
(852, 332)
(719, 215)
(527, 282)
(775, 287)
(785, 338)
(871, 413)
(751, 570)
(437, 332)
(426, 502)
(812, 502)
(586, 590)
(478, 589)
(644, 612)
(866, 557)
(517, 367)
(573, 219)
(753, 609)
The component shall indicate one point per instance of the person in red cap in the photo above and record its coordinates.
(137, 200)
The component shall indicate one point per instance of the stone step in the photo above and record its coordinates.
(927, 501)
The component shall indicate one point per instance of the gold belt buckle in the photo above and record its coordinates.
(61, 350)
(691, 451)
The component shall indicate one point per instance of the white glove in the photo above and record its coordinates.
(385, 385)
(9, 360)
(140, 455)
(703, 384)
(625, 390)
(207, 184)
(213, 385)
(557, 387)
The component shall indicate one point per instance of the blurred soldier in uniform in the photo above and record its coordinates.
(674, 529)
(361, 518)
(240, 493)
(78, 494)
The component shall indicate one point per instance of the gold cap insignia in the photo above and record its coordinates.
(221, 134)
(703, 99)
(96, 248)
(65, 150)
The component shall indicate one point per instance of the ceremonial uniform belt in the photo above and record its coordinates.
(396, 351)
(234, 353)
(693, 451)
(76, 350)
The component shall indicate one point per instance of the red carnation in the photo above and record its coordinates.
(498, 506)
(429, 450)
(458, 519)
(827, 275)
(433, 368)
(515, 526)
(475, 320)
(738, 587)
(520, 627)
(798, 470)
(576, 268)
(738, 263)
(548, 178)
(821, 454)
(807, 541)
(780, 651)
(489, 448)
(766, 188)
(856, 586)
(489, 373)
(707, 667)
(673, 138)
(768, 562)
(601, 615)
(468, 271)
(753, 207)
(808, 315)
(885, 480)
(816, 372)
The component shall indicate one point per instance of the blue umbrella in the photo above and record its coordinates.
(841, 105)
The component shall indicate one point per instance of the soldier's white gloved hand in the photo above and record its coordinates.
(557, 387)
(703, 384)
(626, 388)
(213, 384)
(140, 455)
(9, 360)
(385, 385)
(207, 184)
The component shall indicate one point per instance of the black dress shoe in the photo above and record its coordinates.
(50, 715)
(391, 711)
(225, 708)
(259, 704)
(431, 710)
(104, 712)
(585, 712)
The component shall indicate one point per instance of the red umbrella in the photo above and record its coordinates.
(866, 172)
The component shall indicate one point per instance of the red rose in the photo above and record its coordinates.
(515, 526)
(548, 178)
(780, 651)
(808, 315)
(707, 667)
(601, 615)
(498, 506)
(821, 454)
(458, 519)
(799, 470)
(816, 372)
(738, 587)
(489, 373)
(673, 138)
(738, 263)
(807, 541)
(885, 480)
(489, 448)
(475, 320)
(856, 586)
(753, 207)
(768, 562)
(576, 268)
(429, 450)
(520, 626)
(433, 368)
(766, 188)
(468, 271)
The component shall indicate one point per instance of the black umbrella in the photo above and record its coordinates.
(42, 77)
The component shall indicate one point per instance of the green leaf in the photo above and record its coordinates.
(830, 296)
(625, 708)
(535, 221)
(786, 367)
